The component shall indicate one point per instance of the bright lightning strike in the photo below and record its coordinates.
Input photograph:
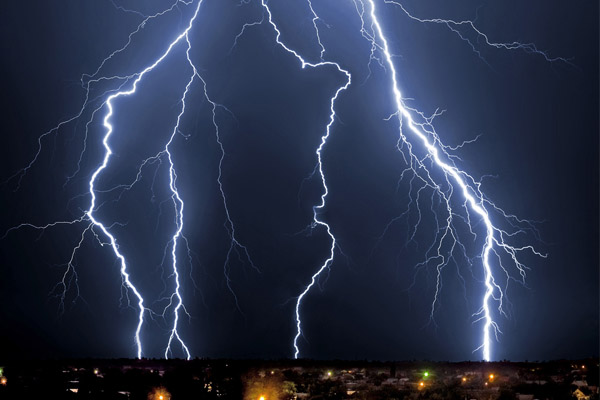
(454, 179)
(175, 299)
(178, 202)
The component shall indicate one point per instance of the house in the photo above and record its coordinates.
(580, 395)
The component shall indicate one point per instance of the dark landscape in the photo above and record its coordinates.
(300, 379)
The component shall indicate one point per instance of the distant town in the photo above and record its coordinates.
(149, 379)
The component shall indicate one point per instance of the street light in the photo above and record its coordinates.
(160, 393)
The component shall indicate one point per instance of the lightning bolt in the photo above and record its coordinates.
(89, 216)
(178, 204)
(177, 201)
(316, 221)
(412, 133)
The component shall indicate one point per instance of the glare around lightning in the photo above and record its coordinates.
(420, 134)
(321, 205)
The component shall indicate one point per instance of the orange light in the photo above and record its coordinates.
(464, 379)
(3, 381)
(262, 398)
(421, 384)
(491, 377)
(159, 393)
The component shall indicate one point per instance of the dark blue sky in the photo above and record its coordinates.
(538, 123)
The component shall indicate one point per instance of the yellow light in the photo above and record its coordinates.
(272, 372)
(161, 397)
(328, 373)
(96, 371)
(261, 398)
(464, 379)
(491, 376)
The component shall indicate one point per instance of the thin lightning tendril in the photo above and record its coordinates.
(455, 26)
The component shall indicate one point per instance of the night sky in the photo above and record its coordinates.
(538, 145)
